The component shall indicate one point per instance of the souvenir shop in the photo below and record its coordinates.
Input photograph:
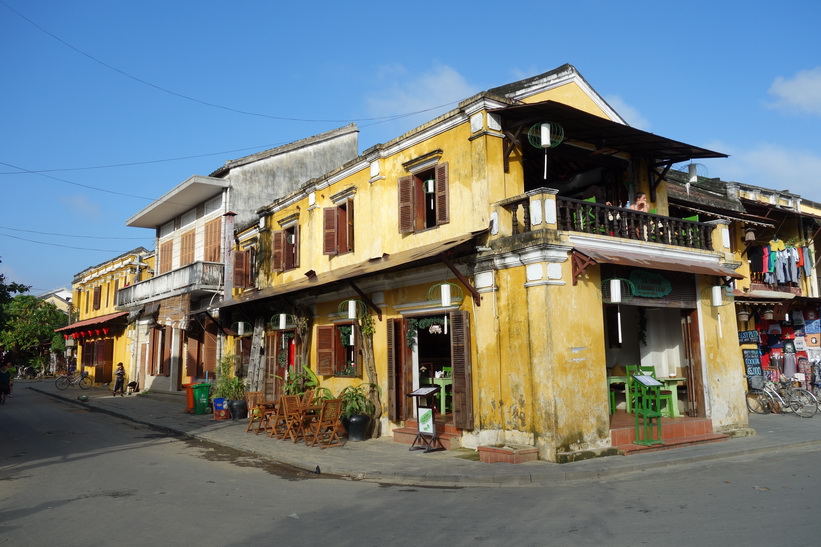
(785, 341)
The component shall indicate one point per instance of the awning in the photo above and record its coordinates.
(674, 263)
(94, 321)
(738, 216)
(385, 263)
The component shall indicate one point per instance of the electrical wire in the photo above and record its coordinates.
(378, 119)
(65, 235)
(63, 246)
(77, 183)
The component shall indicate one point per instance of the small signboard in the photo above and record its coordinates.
(426, 424)
(647, 381)
(752, 362)
(748, 337)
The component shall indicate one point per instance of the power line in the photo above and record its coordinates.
(63, 246)
(209, 104)
(67, 235)
(76, 183)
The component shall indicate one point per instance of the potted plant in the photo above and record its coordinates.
(231, 388)
(358, 410)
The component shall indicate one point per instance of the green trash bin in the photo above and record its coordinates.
(201, 392)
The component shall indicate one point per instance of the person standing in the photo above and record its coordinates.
(119, 382)
(5, 382)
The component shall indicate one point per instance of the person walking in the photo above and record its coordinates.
(5, 382)
(119, 382)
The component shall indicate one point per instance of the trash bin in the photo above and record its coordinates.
(201, 392)
(189, 398)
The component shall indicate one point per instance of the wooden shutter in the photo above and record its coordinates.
(209, 347)
(213, 246)
(393, 406)
(349, 226)
(278, 251)
(442, 212)
(329, 246)
(462, 375)
(97, 296)
(165, 363)
(187, 248)
(166, 255)
(406, 205)
(192, 354)
(325, 350)
(242, 269)
(295, 247)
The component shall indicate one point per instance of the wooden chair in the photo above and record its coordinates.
(275, 423)
(253, 399)
(293, 417)
(323, 428)
(665, 395)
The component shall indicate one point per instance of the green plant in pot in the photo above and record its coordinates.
(358, 410)
(230, 387)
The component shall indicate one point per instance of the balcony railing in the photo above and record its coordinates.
(605, 220)
(199, 277)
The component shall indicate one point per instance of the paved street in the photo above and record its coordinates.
(77, 477)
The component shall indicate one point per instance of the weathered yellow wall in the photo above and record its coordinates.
(570, 94)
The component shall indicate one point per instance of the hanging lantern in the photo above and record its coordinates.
(430, 186)
(744, 315)
(351, 309)
(615, 291)
(445, 292)
(106, 330)
(283, 321)
(768, 314)
(717, 296)
(749, 235)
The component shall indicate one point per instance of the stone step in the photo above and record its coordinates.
(675, 442)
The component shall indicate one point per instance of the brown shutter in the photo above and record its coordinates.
(296, 246)
(212, 251)
(393, 406)
(166, 255)
(165, 364)
(97, 294)
(192, 355)
(325, 350)
(242, 269)
(209, 347)
(349, 210)
(406, 205)
(442, 212)
(329, 246)
(462, 376)
(278, 251)
(187, 248)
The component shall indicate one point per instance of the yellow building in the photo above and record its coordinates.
(100, 332)
(492, 252)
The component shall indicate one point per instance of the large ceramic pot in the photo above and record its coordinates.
(239, 409)
(358, 427)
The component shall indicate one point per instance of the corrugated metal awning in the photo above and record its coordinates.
(674, 263)
(93, 321)
(377, 265)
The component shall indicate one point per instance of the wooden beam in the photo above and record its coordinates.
(580, 263)
(659, 177)
(366, 300)
(477, 298)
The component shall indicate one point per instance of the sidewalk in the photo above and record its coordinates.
(383, 460)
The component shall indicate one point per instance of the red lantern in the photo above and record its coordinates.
(65, 337)
(97, 332)
(106, 330)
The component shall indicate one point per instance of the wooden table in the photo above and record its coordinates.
(671, 384)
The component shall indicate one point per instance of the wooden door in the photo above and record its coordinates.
(692, 361)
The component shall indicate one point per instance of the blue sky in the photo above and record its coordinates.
(107, 105)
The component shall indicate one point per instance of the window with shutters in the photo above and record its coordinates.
(166, 252)
(423, 199)
(212, 248)
(187, 241)
(98, 291)
(243, 274)
(285, 249)
(336, 351)
(338, 232)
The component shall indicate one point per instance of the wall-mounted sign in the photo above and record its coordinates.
(748, 337)
(649, 284)
(752, 362)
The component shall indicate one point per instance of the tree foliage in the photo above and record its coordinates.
(7, 292)
(29, 329)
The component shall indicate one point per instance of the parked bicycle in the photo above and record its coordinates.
(765, 396)
(81, 380)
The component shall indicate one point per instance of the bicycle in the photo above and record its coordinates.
(66, 380)
(765, 396)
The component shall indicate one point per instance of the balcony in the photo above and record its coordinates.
(605, 220)
(193, 279)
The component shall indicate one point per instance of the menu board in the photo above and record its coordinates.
(748, 337)
(752, 362)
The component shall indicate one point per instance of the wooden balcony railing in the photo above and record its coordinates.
(592, 218)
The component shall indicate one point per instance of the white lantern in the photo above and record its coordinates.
(545, 135)
(241, 328)
(717, 296)
(351, 309)
(615, 291)
(445, 288)
(283, 321)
